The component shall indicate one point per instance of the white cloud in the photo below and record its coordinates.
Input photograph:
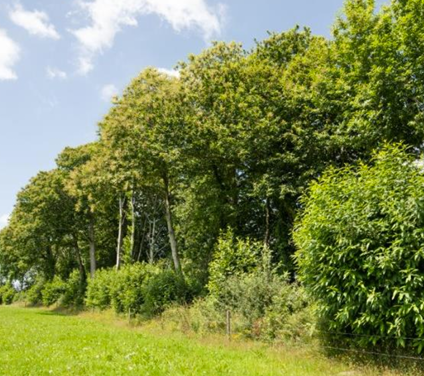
(108, 92)
(109, 16)
(169, 72)
(53, 73)
(4, 220)
(9, 55)
(36, 22)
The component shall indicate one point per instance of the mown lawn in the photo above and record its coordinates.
(39, 342)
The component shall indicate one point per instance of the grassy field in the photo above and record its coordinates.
(39, 342)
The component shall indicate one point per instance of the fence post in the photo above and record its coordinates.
(228, 324)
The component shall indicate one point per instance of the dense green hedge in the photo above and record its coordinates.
(361, 249)
(7, 294)
(137, 289)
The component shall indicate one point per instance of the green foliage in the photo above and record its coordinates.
(99, 289)
(361, 248)
(74, 290)
(7, 294)
(53, 291)
(263, 302)
(163, 289)
(233, 142)
(233, 256)
(34, 295)
(126, 289)
(137, 289)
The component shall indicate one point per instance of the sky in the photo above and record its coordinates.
(62, 61)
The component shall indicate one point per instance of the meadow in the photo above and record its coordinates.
(37, 342)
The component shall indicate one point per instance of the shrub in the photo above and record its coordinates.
(98, 289)
(136, 289)
(53, 291)
(74, 290)
(34, 293)
(286, 316)
(127, 287)
(7, 293)
(262, 302)
(232, 257)
(122, 290)
(361, 248)
(163, 289)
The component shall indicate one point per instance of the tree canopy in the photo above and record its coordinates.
(230, 144)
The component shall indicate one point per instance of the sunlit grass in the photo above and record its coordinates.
(39, 342)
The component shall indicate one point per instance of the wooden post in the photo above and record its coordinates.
(229, 325)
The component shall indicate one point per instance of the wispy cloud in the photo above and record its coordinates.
(169, 72)
(53, 73)
(4, 220)
(108, 92)
(107, 18)
(9, 56)
(35, 22)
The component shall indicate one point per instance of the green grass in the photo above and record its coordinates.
(40, 342)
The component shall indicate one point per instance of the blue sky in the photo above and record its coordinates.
(61, 61)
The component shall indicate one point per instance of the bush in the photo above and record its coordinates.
(34, 293)
(7, 294)
(361, 249)
(163, 289)
(53, 291)
(136, 289)
(286, 316)
(232, 257)
(262, 302)
(127, 287)
(74, 290)
(98, 289)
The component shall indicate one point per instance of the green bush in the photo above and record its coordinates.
(53, 291)
(7, 294)
(263, 303)
(285, 315)
(98, 289)
(127, 287)
(163, 289)
(34, 293)
(74, 290)
(361, 249)
(136, 289)
(232, 257)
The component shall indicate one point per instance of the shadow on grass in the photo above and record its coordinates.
(58, 311)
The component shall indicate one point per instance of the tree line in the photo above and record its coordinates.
(232, 143)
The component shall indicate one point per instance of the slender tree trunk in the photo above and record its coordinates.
(171, 232)
(133, 225)
(91, 235)
(120, 232)
(81, 266)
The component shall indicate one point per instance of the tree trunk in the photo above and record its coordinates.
(171, 232)
(92, 238)
(133, 225)
(120, 232)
